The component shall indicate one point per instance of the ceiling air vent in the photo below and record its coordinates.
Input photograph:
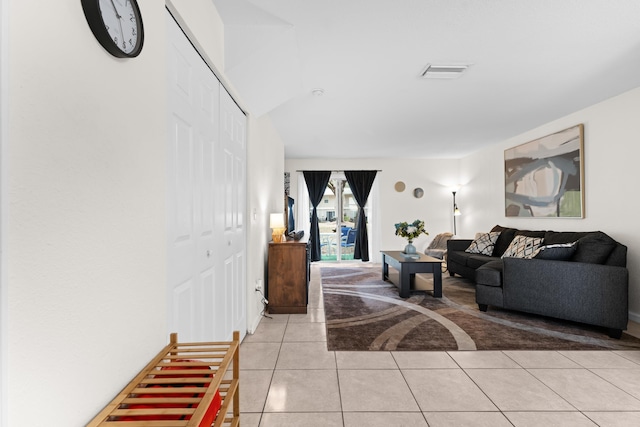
(443, 71)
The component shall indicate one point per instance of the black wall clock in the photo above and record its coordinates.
(117, 25)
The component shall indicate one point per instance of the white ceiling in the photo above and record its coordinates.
(532, 61)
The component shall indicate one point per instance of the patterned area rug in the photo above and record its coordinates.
(365, 313)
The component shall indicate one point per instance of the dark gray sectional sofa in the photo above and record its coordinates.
(589, 287)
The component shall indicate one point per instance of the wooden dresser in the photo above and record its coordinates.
(288, 277)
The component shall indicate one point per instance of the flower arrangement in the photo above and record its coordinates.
(410, 231)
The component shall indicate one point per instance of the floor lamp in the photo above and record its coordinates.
(456, 212)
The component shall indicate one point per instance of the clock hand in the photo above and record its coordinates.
(119, 21)
(115, 9)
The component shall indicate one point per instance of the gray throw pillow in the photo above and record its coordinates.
(594, 248)
(557, 252)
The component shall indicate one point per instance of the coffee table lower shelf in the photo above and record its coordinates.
(408, 267)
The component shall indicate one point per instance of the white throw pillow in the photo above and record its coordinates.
(484, 244)
(522, 247)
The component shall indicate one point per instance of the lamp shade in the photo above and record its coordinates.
(276, 220)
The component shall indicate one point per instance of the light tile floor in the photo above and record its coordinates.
(289, 379)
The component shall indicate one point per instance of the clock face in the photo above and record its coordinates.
(116, 24)
(121, 21)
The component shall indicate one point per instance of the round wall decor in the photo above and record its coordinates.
(418, 193)
(400, 186)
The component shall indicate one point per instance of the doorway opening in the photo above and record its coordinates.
(337, 214)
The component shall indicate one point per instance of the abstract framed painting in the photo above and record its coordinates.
(544, 178)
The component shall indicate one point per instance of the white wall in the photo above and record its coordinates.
(86, 235)
(86, 257)
(435, 177)
(204, 27)
(611, 156)
(265, 165)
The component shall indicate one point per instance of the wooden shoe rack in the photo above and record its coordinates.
(185, 385)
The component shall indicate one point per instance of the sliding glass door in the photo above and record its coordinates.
(337, 218)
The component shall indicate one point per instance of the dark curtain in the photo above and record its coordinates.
(316, 184)
(291, 220)
(361, 183)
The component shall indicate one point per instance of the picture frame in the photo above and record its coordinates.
(544, 178)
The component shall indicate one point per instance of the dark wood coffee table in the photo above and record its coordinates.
(408, 267)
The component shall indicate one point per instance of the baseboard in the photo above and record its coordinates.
(254, 325)
(635, 317)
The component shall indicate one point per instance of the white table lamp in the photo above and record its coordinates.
(276, 223)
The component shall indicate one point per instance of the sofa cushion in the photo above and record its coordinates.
(530, 233)
(618, 257)
(522, 247)
(594, 248)
(553, 237)
(505, 238)
(477, 260)
(490, 274)
(557, 251)
(484, 244)
(457, 257)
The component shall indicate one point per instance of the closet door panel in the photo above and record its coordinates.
(233, 191)
(193, 116)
